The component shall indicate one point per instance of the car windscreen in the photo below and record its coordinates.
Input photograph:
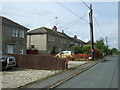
(62, 52)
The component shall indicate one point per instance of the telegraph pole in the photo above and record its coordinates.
(106, 42)
(91, 31)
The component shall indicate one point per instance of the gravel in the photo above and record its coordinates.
(17, 77)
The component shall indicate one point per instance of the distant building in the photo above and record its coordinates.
(14, 37)
(89, 42)
(50, 40)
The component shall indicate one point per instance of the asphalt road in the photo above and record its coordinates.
(102, 75)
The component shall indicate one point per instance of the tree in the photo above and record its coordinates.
(101, 46)
(114, 51)
(75, 49)
(86, 49)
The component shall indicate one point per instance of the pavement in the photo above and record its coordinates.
(55, 80)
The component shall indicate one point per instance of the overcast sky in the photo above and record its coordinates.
(42, 14)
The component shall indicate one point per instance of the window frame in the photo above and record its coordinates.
(21, 34)
(15, 33)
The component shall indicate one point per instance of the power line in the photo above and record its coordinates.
(85, 4)
(68, 24)
(71, 11)
(93, 17)
(98, 25)
(71, 25)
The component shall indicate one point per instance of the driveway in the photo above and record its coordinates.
(17, 77)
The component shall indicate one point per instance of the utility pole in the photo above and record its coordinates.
(91, 31)
(106, 42)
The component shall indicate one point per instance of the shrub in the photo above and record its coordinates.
(86, 49)
(75, 49)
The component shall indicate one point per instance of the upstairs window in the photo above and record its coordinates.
(15, 33)
(21, 34)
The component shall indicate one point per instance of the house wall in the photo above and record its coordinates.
(57, 43)
(38, 40)
(7, 38)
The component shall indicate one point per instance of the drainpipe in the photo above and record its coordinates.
(30, 41)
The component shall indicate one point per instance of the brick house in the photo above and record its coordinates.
(14, 37)
(50, 40)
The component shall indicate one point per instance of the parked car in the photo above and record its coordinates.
(7, 61)
(65, 54)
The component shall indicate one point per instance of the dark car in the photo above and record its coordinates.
(7, 61)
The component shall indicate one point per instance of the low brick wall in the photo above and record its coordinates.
(40, 62)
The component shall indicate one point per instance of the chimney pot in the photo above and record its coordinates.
(54, 28)
(62, 31)
(75, 36)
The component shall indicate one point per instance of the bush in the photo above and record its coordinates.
(86, 49)
(98, 53)
(75, 49)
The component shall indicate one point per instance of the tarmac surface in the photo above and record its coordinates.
(102, 75)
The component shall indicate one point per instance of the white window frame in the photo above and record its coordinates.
(15, 33)
(21, 33)
(21, 51)
(10, 49)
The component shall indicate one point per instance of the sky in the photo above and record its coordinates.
(72, 17)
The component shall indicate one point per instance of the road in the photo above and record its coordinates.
(102, 75)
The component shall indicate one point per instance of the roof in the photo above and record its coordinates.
(78, 40)
(44, 30)
(89, 42)
(7, 21)
(41, 30)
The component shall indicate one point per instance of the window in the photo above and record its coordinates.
(10, 49)
(62, 52)
(15, 33)
(67, 52)
(52, 39)
(49, 39)
(21, 34)
(21, 51)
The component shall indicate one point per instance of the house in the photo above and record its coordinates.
(89, 42)
(50, 41)
(14, 37)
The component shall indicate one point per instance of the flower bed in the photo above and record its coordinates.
(81, 56)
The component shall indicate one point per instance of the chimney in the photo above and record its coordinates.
(75, 36)
(54, 28)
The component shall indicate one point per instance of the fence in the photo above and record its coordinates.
(40, 62)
